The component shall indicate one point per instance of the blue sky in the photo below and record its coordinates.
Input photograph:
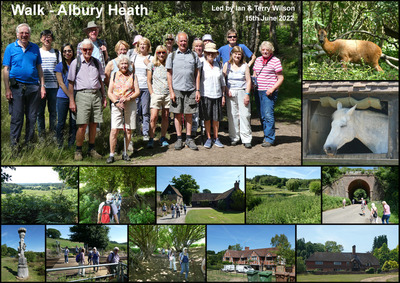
(34, 237)
(37, 174)
(216, 179)
(302, 172)
(117, 233)
(219, 237)
(348, 235)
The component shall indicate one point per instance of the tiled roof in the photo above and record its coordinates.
(325, 256)
(247, 253)
(174, 189)
(204, 197)
(349, 86)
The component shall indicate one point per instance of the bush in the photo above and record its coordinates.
(253, 202)
(370, 270)
(390, 265)
(315, 187)
(221, 205)
(142, 215)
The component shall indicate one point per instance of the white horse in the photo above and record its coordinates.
(369, 127)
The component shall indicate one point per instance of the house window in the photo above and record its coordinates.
(169, 192)
(319, 262)
(254, 258)
(337, 263)
(227, 259)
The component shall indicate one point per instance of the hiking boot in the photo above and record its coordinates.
(150, 144)
(233, 143)
(208, 143)
(266, 144)
(110, 159)
(164, 143)
(247, 145)
(179, 144)
(126, 157)
(218, 143)
(78, 155)
(93, 153)
(190, 143)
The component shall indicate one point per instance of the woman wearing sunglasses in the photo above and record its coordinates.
(61, 70)
(159, 95)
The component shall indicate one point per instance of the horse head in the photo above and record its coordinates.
(342, 129)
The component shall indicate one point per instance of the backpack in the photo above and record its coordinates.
(106, 212)
(57, 55)
(375, 214)
(78, 257)
(112, 258)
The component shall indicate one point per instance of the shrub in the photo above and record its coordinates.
(390, 265)
(370, 270)
(141, 215)
(221, 205)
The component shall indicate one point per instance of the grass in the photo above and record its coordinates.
(278, 206)
(330, 202)
(394, 217)
(221, 276)
(214, 216)
(9, 270)
(50, 244)
(339, 277)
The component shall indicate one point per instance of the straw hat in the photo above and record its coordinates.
(211, 47)
(92, 24)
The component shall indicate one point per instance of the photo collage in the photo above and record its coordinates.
(200, 141)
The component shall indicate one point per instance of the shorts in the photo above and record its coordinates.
(210, 109)
(185, 102)
(160, 101)
(130, 116)
(89, 108)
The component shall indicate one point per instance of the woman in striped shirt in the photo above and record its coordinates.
(268, 72)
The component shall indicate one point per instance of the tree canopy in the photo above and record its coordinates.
(186, 186)
(284, 248)
(53, 233)
(93, 235)
(69, 175)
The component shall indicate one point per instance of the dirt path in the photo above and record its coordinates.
(350, 214)
(380, 279)
(287, 150)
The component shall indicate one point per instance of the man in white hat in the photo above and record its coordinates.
(100, 46)
(113, 257)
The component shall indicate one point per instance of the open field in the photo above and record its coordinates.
(221, 276)
(279, 206)
(348, 278)
(9, 270)
(214, 216)
(70, 192)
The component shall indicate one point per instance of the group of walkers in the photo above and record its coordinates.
(93, 258)
(374, 211)
(176, 209)
(193, 85)
(183, 258)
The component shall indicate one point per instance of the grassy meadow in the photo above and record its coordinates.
(280, 206)
(9, 270)
(221, 276)
(345, 277)
(40, 193)
(214, 216)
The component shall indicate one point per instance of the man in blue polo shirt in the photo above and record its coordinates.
(225, 51)
(21, 74)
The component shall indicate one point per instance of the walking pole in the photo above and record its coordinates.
(123, 120)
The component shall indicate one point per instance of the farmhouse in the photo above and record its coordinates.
(259, 259)
(211, 199)
(171, 193)
(345, 262)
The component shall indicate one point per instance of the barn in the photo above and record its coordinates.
(212, 199)
(171, 193)
(319, 103)
(341, 262)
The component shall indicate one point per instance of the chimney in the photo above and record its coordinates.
(246, 248)
(354, 250)
(236, 185)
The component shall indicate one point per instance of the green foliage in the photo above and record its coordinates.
(4, 176)
(293, 185)
(333, 247)
(300, 265)
(329, 175)
(3, 250)
(390, 265)
(370, 270)
(69, 175)
(284, 248)
(30, 256)
(330, 202)
(238, 201)
(88, 208)
(11, 251)
(206, 191)
(141, 215)
(379, 241)
(305, 250)
(315, 187)
(53, 233)
(360, 193)
(51, 208)
(389, 179)
(94, 235)
(286, 210)
(186, 185)
(221, 205)
(236, 247)
(382, 254)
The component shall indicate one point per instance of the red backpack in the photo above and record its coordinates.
(106, 212)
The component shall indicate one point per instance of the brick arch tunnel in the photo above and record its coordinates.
(358, 184)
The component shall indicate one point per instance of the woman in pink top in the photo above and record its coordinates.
(122, 91)
(386, 212)
(268, 72)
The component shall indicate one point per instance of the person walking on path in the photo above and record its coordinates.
(374, 213)
(363, 206)
(344, 203)
(386, 212)
(66, 252)
(173, 210)
(184, 260)
(82, 262)
(171, 259)
(178, 212)
(184, 208)
(95, 257)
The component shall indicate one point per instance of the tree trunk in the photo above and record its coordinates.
(272, 29)
(233, 12)
(129, 23)
(103, 17)
(299, 23)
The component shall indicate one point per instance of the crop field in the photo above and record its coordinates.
(278, 206)
(214, 216)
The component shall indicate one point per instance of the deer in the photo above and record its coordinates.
(347, 50)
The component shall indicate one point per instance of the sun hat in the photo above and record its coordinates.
(211, 47)
(116, 249)
(207, 37)
(92, 24)
(137, 38)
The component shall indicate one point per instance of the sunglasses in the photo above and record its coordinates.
(161, 52)
(87, 49)
(232, 36)
(169, 39)
(67, 51)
